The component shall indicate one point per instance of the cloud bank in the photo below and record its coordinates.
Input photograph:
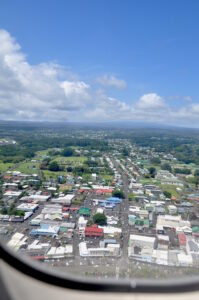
(47, 92)
(112, 81)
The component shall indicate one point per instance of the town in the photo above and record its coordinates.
(104, 209)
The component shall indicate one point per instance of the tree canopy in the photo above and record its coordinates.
(53, 166)
(118, 193)
(100, 219)
(166, 167)
(68, 152)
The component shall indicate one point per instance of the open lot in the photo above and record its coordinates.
(5, 166)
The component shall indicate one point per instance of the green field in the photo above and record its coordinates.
(171, 189)
(72, 160)
(149, 181)
(49, 174)
(107, 178)
(5, 166)
(28, 167)
(42, 154)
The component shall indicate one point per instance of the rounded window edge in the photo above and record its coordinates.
(34, 270)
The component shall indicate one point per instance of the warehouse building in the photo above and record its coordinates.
(17, 241)
(59, 252)
(65, 200)
(109, 250)
(46, 230)
(28, 207)
(141, 247)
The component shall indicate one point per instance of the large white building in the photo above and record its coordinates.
(109, 250)
(141, 247)
(27, 207)
(59, 252)
(169, 221)
(17, 241)
(65, 200)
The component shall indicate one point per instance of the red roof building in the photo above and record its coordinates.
(65, 209)
(99, 192)
(182, 239)
(74, 208)
(86, 191)
(7, 177)
(94, 231)
(38, 257)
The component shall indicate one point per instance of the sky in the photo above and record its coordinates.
(105, 60)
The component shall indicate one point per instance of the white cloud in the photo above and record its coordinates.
(150, 101)
(77, 88)
(111, 81)
(188, 98)
(47, 91)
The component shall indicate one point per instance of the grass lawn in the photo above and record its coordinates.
(158, 167)
(65, 187)
(73, 160)
(51, 174)
(5, 166)
(149, 181)
(28, 167)
(191, 166)
(107, 177)
(171, 189)
(40, 155)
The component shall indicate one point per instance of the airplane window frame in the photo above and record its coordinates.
(34, 270)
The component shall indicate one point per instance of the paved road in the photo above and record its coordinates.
(122, 263)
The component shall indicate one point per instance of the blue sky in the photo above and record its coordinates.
(110, 60)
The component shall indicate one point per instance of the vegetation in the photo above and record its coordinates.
(5, 166)
(125, 152)
(53, 166)
(166, 167)
(100, 219)
(167, 194)
(152, 172)
(131, 197)
(155, 161)
(11, 211)
(196, 173)
(182, 171)
(118, 193)
(67, 152)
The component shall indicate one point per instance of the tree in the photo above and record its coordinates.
(131, 197)
(67, 152)
(53, 166)
(152, 172)
(196, 173)
(100, 219)
(4, 211)
(20, 187)
(166, 167)
(196, 181)
(20, 213)
(167, 194)
(89, 223)
(182, 171)
(156, 161)
(69, 169)
(125, 152)
(118, 193)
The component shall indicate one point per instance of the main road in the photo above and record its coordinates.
(123, 263)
